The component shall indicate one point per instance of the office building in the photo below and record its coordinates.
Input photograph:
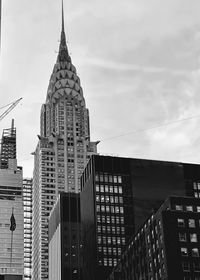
(64, 238)
(62, 152)
(8, 146)
(166, 246)
(11, 230)
(27, 202)
(11, 210)
(118, 195)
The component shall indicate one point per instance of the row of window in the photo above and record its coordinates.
(197, 194)
(109, 209)
(185, 252)
(110, 229)
(191, 223)
(108, 178)
(192, 237)
(110, 219)
(188, 208)
(109, 189)
(186, 266)
(110, 250)
(196, 185)
(111, 199)
(110, 240)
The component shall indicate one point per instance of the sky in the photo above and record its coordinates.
(139, 66)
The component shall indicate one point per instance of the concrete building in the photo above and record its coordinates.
(118, 195)
(64, 239)
(62, 152)
(166, 246)
(27, 202)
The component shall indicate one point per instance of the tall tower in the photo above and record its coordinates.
(11, 210)
(62, 152)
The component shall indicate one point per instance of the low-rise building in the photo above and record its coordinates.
(166, 247)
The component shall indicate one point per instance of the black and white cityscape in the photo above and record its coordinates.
(83, 214)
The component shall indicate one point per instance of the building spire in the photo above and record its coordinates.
(63, 54)
(63, 19)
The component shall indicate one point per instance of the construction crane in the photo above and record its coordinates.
(12, 106)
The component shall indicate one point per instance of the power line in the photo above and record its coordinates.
(151, 128)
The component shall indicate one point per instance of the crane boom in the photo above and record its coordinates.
(12, 106)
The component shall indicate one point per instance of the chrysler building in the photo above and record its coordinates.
(63, 149)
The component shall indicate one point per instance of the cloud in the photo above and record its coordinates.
(137, 61)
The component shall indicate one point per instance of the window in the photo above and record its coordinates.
(191, 223)
(195, 252)
(101, 178)
(179, 207)
(111, 189)
(193, 237)
(189, 208)
(185, 266)
(115, 179)
(184, 252)
(196, 194)
(181, 222)
(182, 237)
(196, 265)
(198, 208)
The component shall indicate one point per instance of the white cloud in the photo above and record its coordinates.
(137, 61)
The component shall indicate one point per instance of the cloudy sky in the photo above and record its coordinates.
(139, 65)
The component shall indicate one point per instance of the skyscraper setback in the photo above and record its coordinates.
(62, 152)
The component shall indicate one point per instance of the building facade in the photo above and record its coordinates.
(118, 195)
(62, 152)
(64, 238)
(11, 209)
(11, 241)
(27, 202)
(166, 246)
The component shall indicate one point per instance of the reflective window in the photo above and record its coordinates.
(191, 223)
(195, 252)
(179, 207)
(189, 208)
(181, 222)
(193, 237)
(184, 252)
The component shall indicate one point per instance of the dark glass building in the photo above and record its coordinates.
(167, 246)
(118, 195)
(64, 238)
